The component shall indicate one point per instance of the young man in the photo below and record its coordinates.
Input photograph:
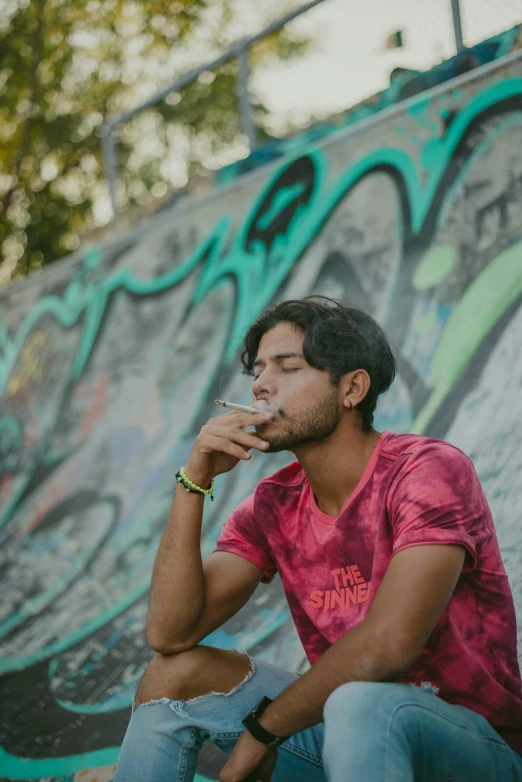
(388, 556)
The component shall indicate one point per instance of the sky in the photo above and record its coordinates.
(349, 62)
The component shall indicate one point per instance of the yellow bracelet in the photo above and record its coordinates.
(194, 486)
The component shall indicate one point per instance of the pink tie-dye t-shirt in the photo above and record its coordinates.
(414, 491)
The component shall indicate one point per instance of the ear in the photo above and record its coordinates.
(356, 385)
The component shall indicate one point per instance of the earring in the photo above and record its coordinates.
(351, 406)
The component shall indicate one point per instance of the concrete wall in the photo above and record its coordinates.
(110, 363)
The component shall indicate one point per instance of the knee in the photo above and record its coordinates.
(359, 718)
(366, 705)
(192, 673)
(349, 699)
(167, 676)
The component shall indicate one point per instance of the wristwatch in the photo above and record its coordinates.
(256, 730)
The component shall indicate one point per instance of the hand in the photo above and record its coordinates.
(250, 761)
(222, 443)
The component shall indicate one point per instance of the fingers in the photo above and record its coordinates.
(237, 435)
(225, 445)
(225, 434)
(225, 426)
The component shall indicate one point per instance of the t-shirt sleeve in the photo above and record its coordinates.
(242, 534)
(437, 498)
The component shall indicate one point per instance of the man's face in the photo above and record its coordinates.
(309, 409)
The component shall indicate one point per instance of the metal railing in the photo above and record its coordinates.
(240, 50)
(457, 24)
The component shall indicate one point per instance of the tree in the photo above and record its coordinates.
(66, 65)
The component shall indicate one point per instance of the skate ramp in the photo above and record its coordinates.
(110, 362)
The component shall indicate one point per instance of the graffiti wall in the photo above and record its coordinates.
(110, 362)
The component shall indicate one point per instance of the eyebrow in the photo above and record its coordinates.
(279, 357)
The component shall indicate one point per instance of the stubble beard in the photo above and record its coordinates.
(312, 425)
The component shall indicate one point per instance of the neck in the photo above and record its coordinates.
(335, 466)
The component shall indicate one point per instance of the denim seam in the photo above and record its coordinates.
(156, 702)
(303, 753)
(289, 747)
(436, 714)
(184, 754)
(229, 735)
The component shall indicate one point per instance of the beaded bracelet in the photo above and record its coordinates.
(188, 485)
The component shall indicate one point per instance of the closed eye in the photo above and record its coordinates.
(296, 369)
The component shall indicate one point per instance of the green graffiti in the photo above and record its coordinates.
(486, 299)
(10, 434)
(21, 768)
(426, 322)
(248, 267)
(435, 265)
(479, 151)
(284, 197)
(248, 263)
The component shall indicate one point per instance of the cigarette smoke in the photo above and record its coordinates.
(264, 407)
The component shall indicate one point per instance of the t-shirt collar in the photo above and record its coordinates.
(324, 517)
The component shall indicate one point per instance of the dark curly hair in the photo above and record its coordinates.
(338, 337)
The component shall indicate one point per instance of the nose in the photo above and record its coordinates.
(261, 387)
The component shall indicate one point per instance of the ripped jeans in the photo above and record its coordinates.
(378, 731)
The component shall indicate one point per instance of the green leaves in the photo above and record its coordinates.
(65, 66)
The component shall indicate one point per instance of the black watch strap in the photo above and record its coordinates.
(256, 730)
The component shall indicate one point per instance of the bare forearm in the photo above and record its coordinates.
(178, 589)
(177, 598)
(357, 656)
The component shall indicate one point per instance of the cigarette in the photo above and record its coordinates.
(232, 406)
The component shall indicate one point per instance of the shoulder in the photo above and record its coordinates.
(416, 449)
(432, 463)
